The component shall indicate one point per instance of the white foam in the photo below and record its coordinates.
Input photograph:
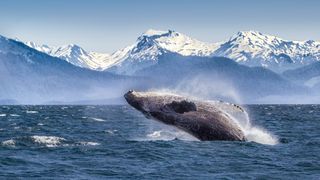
(97, 119)
(261, 136)
(90, 143)
(169, 134)
(14, 115)
(253, 133)
(9, 142)
(110, 131)
(48, 141)
(31, 112)
(3, 115)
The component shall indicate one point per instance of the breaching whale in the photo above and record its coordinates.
(202, 119)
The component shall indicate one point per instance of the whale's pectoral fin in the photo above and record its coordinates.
(182, 106)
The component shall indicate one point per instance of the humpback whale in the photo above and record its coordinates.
(202, 119)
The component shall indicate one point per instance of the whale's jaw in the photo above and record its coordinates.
(200, 119)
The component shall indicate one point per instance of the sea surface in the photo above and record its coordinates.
(117, 142)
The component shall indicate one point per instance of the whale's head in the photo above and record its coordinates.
(135, 100)
(151, 103)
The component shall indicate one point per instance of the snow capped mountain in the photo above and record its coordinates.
(79, 57)
(42, 48)
(153, 43)
(75, 55)
(253, 48)
(249, 48)
(32, 77)
(178, 43)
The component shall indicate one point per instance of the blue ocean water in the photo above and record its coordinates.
(117, 142)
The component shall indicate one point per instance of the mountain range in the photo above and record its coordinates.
(29, 76)
(248, 68)
(249, 48)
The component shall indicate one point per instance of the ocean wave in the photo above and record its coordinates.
(169, 135)
(64, 107)
(97, 119)
(3, 115)
(111, 131)
(54, 141)
(48, 141)
(14, 115)
(31, 112)
(89, 143)
(9, 142)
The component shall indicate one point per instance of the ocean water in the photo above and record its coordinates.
(117, 142)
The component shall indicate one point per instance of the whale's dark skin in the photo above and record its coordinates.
(201, 119)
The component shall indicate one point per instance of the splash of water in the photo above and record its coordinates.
(169, 135)
(161, 132)
(238, 114)
(251, 132)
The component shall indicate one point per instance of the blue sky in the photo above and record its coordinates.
(106, 25)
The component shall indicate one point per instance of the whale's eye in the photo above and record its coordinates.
(182, 106)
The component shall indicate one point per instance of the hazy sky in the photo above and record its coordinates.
(106, 25)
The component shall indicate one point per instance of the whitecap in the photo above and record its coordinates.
(9, 142)
(3, 115)
(48, 141)
(14, 115)
(40, 124)
(64, 107)
(31, 112)
(89, 143)
(169, 135)
(110, 131)
(97, 119)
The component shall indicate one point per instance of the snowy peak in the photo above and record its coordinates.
(153, 32)
(74, 54)
(253, 48)
(42, 48)
(177, 42)
(153, 43)
(69, 51)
